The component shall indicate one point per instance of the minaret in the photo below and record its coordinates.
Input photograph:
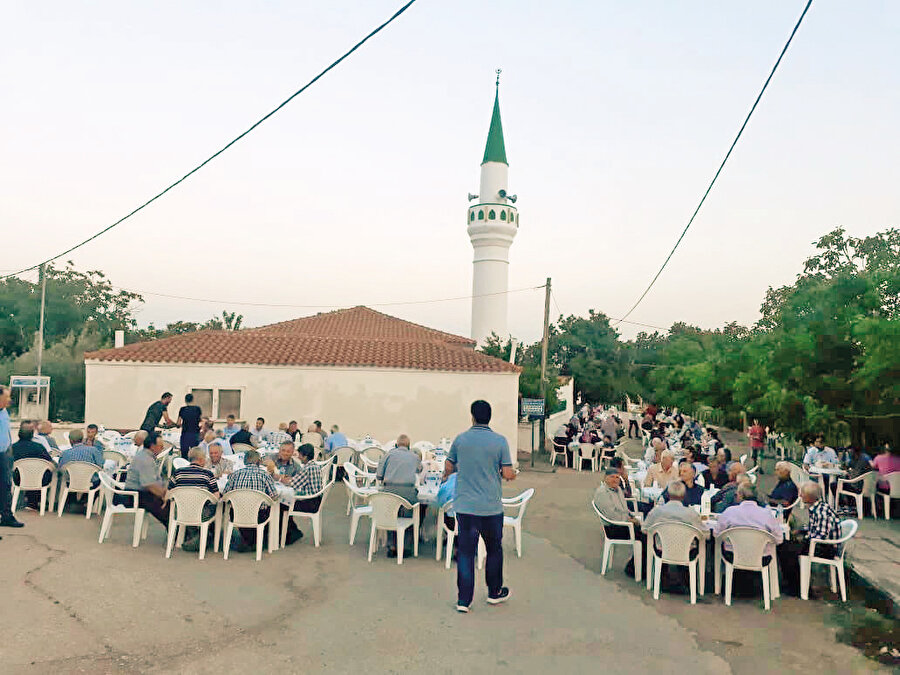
(493, 223)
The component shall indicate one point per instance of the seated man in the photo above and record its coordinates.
(727, 496)
(231, 427)
(336, 440)
(79, 452)
(219, 465)
(252, 477)
(143, 477)
(674, 509)
(259, 432)
(27, 448)
(306, 480)
(818, 452)
(693, 493)
(618, 464)
(610, 501)
(44, 436)
(283, 461)
(785, 491)
(242, 437)
(90, 436)
(716, 475)
(654, 450)
(397, 470)
(196, 474)
(748, 513)
(663, 473)
(823, 525)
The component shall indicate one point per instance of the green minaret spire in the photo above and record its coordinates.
(495, 149)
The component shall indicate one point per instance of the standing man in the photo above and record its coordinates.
(757, 442)
(156, 412)
(189, 421)
(7, 519)
(480, 457)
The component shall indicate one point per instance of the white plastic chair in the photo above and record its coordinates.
(748, 545)
(386, 516)
(675, 541)
(836, 564)
(180, 463)
(608, 544)
(31, 477)
(371, 456)
(186, 510)
(109, 488)
(358, 478)
(442, 530)
(342, 455)
(893, 480)
(558, 450)
(358, 506)
(868, 482)
(586, 452)
(80, 481)
(519, 503)
(316, 516)
(244, 512)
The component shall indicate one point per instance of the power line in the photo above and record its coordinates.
(722, 165)
(293, 306)
(226, 147)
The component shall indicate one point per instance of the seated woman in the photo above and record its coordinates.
(886, 463)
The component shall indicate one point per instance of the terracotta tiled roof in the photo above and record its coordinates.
(351, 337)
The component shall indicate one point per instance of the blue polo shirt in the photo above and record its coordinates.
(479, 455)
(5, 437)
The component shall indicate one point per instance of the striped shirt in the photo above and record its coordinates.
(194, 476)
(81, 453)
(252, 477)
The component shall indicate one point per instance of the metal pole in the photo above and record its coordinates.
(544, 345)
(40, 354)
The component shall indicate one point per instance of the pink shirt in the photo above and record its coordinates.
(886, 463)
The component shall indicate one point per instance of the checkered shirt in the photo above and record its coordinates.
(307, 480)
(823, 522)
(251, 477)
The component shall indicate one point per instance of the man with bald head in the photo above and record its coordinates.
(824, 525)
(397, 471)
(664, 472)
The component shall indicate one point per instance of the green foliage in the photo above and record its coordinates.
(228, 321)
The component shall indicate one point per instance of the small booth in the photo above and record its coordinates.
(30, 397)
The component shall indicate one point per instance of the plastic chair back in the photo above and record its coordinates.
(675, 540)
(31, 472)
(386, 510)
(869, 484)
(81, 475)
(748, 546)
(119, 458)
(245, 505)
(241, 447)
(189, 502)
(343, 455)
(373, 454)
(586, 451)
(520, 501)
(893, 481)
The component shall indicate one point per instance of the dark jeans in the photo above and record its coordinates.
(789, 561)
(6, 485)
(632, 424)
(489, 528)
(150, 503)
(189, 439)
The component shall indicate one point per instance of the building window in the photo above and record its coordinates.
(517, 220)
(204, 399)
(492, 215)
(503, 215)
(229, 403)
(222, 402)
(481, 215)
(471, 216)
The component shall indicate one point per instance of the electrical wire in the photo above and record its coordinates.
(223, 149)
(722, 165)
(293, 306)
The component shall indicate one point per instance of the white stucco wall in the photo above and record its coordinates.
(426, 405)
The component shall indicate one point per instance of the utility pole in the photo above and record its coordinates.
(40, 354)
(544, 345)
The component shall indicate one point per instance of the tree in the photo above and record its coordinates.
(530, 377)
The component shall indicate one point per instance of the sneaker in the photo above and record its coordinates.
(502, 596)
(462, 609)
(11, 522)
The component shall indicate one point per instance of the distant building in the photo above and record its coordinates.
(366, 371)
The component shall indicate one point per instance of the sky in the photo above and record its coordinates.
(615, 114)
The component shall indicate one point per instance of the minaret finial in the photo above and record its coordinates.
(499, 70)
